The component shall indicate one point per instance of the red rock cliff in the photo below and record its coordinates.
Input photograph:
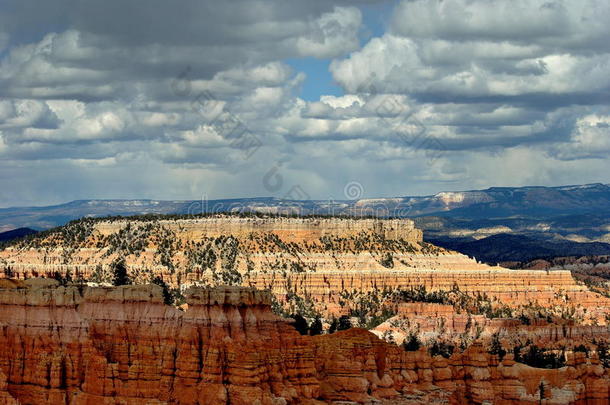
(71, 345)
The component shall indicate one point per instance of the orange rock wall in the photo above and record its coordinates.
(431, 319)
(290, 229)
(122, 345)
(509, 286)
(326, 272)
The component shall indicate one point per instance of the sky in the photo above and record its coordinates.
(306, 100)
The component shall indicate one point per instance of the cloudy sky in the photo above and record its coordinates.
(175, 100)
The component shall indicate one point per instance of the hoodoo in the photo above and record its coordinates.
(83, 345)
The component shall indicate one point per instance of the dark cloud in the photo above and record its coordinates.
(131, 99)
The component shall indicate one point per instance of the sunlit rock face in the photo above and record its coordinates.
(320, 258)
(78, 344)
(71, 345)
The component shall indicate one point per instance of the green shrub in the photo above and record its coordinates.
(536, 357)
(496, 347)
(441, 348)
(344, 323)
(411, 343)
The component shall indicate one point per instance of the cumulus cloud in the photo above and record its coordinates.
(27, 113)
(566, 25)
(490, 74)
(439, 69)
(590, 138)
(472, 49)
(333, 34)
(174, 101)
(119, 49)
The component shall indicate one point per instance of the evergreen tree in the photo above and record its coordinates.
(441, 348)
(119, 271)
(167, 295)
(344, 323)
(63, 280)
(496, 347)
(411, 343)
(316, 327)
(333, 326)
(300, 324)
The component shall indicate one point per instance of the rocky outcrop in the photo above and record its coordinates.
(65, 345)
(89, 345)
(508, 286)
(317, 257)
(182, 246)
(429, 321)
(358, 366)
(289, 228)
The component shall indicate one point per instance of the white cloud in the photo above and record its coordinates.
(484, 75)
(416, 67)
(563, 24)
(590, 138)
(333, 34)
(457, 94)
(26, 113)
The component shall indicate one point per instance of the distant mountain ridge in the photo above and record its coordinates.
(495, 202)
(494, 225)
(506, 248)
(15, 234)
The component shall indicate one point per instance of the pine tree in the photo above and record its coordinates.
(167, 295)
(344, 323)
(496, 347)
(316, 327)
(333, 326)
(300, 324)
(119, 271)
(411, 343)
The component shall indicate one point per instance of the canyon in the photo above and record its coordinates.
(85, 345)
(211, 316)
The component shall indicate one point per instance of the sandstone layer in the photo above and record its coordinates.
(316, 257)
(434, 321)
(93, 345)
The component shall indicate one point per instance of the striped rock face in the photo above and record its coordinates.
(72, 345)
(317, 257)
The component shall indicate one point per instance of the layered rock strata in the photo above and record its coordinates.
(84, 345)
(320, 258)
(289, 228)
(430, 321)
(515, 287)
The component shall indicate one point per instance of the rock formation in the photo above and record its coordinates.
(432, 320)
(100, 345)
(319, 258)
